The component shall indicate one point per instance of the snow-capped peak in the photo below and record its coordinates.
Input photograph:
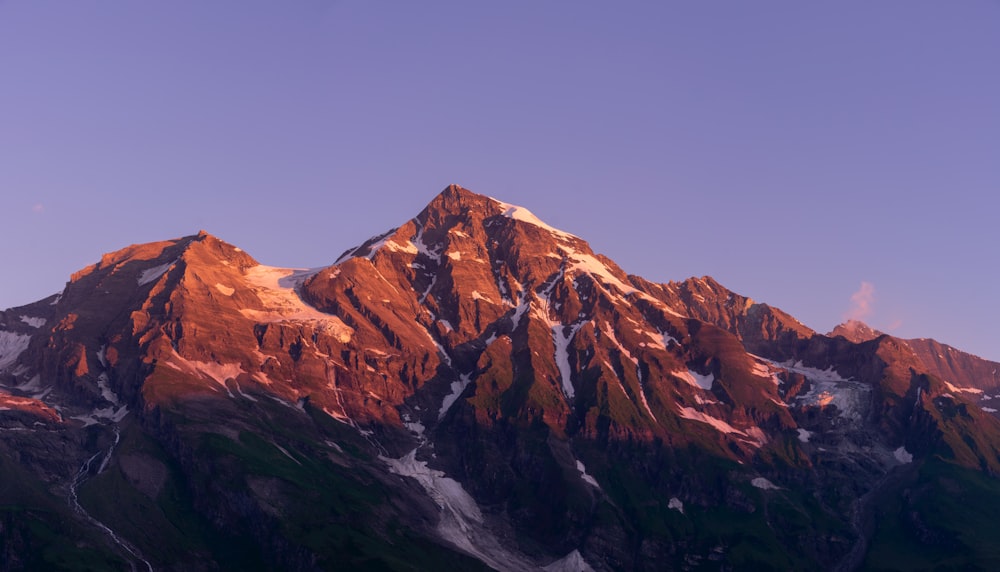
(522, 214)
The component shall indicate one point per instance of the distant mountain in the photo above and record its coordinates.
(474, 389)
(856, 331)
(964, 371)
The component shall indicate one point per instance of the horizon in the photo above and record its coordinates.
(835, 162)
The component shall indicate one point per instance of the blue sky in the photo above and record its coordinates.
(791, 150)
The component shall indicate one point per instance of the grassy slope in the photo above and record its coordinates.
(324, 514)
(943, 518)
(40, 532)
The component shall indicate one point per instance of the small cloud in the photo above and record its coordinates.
(861, 302)
(38, 208)
(895, 325)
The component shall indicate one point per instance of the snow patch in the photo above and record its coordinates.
(518, 313)
(718, 424)
(804, 435)
(376, 243)
(590, 264)
(753, 434)
(11, 347)
(226, 290)
(902, 455)
(154, 273)
(989, 410)
(524, 215)
(962, 389)
(422, 248)
(638, 370)
(676, 504)
(33, 321)
(561, 337)
(104, 385)
(696, 379)
(764, 484)
(586, 478)
(457, 387)
(764, 368)
(113, 414)
(461, 521)
(415, 427)
(572, 562)
(214, 371)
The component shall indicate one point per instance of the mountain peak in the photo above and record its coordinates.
(855, 331)
(457, 200)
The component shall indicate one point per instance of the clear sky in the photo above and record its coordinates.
(802, 153)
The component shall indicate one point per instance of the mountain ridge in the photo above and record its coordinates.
(502, 393)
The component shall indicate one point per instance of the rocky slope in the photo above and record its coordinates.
(475, 389)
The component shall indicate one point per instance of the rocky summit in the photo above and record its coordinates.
(475, 390)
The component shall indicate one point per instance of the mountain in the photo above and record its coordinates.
(473, 389)
(962, 372)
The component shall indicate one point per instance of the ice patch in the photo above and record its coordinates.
(11, 347)
(676, 504)
(154, 273)
(33, 321)
(764, 484)
(902, 455)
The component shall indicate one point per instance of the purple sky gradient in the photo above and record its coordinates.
(792, 150)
